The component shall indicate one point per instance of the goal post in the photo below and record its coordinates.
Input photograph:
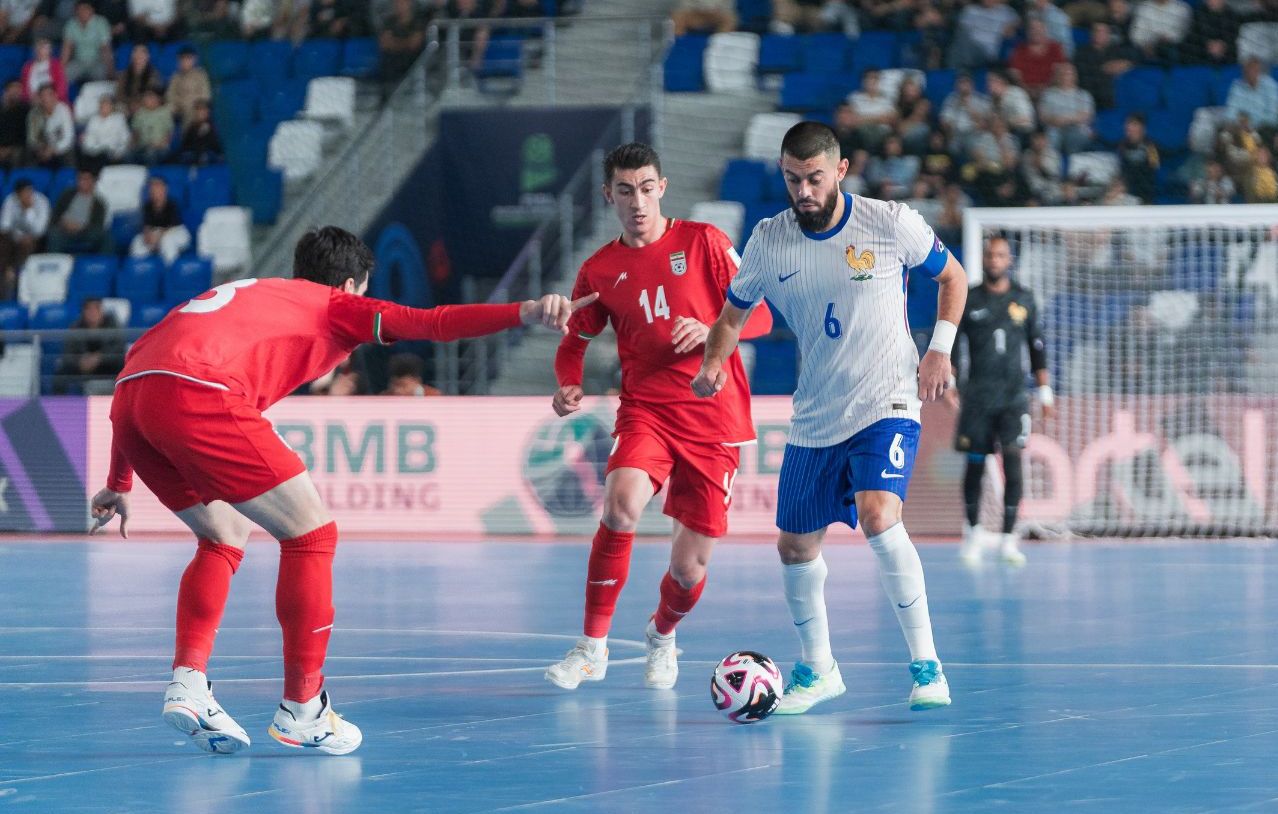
(1161, 326)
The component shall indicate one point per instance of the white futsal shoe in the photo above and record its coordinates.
(1009, 550)
(931, 690)
(972, 549)
(807, 688)
(663, 666)
(328, 732)
(585, 662)
(190, 708)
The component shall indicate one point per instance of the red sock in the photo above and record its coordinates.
(676, 602)
(605, 577)
(201, 599)
(304, 606)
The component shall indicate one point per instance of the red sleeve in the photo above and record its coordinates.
(570, 360)
(356, 320)
(725, 263)
(120, 478)
(588, 322)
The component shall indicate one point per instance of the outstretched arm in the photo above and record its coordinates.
(935, 369)
(722, 340)
(363, 319)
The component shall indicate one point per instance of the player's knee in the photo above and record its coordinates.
(622, 512)
(879, 517)
(688, 572)
(796, 548)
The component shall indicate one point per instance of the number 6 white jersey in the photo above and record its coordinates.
(843, 294)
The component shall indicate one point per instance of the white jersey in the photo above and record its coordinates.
(842, 292)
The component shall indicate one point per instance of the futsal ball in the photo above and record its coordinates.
(746, 687)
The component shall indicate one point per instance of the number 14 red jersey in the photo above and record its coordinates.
(642, 291)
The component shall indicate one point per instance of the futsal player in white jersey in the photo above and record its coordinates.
(835, 266)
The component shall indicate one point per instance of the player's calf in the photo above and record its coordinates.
(190, 708)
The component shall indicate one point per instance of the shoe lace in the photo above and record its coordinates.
(801, 676)
(579, 655)
(662, 658)
(925, 671)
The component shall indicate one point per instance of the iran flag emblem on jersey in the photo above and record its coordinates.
(678, 263)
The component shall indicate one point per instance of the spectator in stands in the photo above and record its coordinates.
(847, 127)
(201, 143)
(979, 33)
(914, 116)
(95, 357)
(17, 18)
(13, 124)
(1011, 102)
(106, 138)
(211, 20)
(934, 28)
(278, 19)
(963, 111)
(1159, 27)
(1034, 60)
(532, 9)
(1255, 94)
(116, 14)
(474, 38)
(402, 39)
(1213, 34)
(154, 20)
(875, 110)
(163, 231)
(808, 16)
(405, 377)
(50, 130)
(892, 175)
(1057, 23)
(1262, 181)
(949, 226)
(854, 179)
(190, 84)
(79, 219)
(24, 218)
(704, 16)
(332, 18)
(938, 166)
(1118, 16)
(344, 380)
(152, 129)
(1215, 187)
(1138, 158)
(86, 45)
(139, 77)
(923, 200)
(1100, 62)
(1067, 112)
(1116, 194)
(43, 69)
(995, 157)
(1042, 171)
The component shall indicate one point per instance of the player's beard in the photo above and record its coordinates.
(816, 221)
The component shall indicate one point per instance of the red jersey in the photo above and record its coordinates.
(642, 291)
(262, 339)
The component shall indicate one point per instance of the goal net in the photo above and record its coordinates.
(1162, 337)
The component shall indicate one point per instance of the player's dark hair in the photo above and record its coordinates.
(810, 139)
(330, 255)
(633, 156)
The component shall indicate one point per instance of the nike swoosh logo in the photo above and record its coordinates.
(782, 278)
(804, 622)
(912, 601)
(887, 474)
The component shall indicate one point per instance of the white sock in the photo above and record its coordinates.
(305, 711)
(805, 594)
(902, 577)
(190, 677)
(597, 646)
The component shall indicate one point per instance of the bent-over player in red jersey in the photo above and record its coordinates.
(187, 417)
(660, 285)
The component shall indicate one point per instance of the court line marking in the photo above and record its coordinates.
(627, 789)
(89, 771)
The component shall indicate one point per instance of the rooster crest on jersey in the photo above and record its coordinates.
(862, 262)
(1017, 313)
(678, 263)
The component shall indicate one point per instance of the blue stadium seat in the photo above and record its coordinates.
(140, 279)
(1140, 89)
(503, 58)
(776, 367)
(235, 106)
(757, 212)
(1109, 126)
(39, 177)
(263, 193)
(166, 57)
(940, 84)
(776, 190)
(744, 180)
(145, 315)
(806, 92)
(54, 316)
(754, 15)
(683, 64)
(124, 227)
(62, 180)
(13, 317)
(270, 57)
(1167, 178)
(1169, 129)
(177, 177)
(188, 277)
(360, 57)
(317, 58)
(875, 49)
(1224, 80)
(1195, 266)
(825, 53)
(1189, 87)
(12, 58)
(211, 187)
(92, 276)
(780, 53)
(283, 103)
(227, 59)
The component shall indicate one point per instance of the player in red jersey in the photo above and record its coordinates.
(660, 285)
(187, 417)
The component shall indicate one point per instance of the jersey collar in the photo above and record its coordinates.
(836, 228)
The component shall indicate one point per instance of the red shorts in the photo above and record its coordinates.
(701, 473)
(191, 443)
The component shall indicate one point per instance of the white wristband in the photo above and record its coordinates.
(943, 337)
(1045, 395)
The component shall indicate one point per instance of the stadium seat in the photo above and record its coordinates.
(939, 85)
(874, 49)
(1109, 126)
(12, 58)
(744, 180)
(211, 186)
(38, 176)
(140, 279)
(1188, 87)
(177, 176)
(227, 59)
(93, 275)
(54, 316)
(728, 216)
(166, 57)
(283, 102)
(86, 102)
(1260, 40)
(890, 80)
(270, 57)
(1140, 89)
(730, 61)
(825, 53)
(13, 317)
(224, 237)
(1169, 129)
(360, 57)
(1094, 168)
(779, 53)
(807, 92)
(754, 15)
(19, 371)
(145, 315)
(317, 58)
(44, 279)
(121, 185)
(776, 367)
(756, 213)
(331, 98)
(296, 149)
(1224, 81)
(503, 62)
(764, 134)
(62, 180)
(188, 277)
(1204, 126)
(119, 308)
(124, 227)
(683, 65)
(263, 193)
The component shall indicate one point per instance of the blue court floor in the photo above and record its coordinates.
(1101, 677)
